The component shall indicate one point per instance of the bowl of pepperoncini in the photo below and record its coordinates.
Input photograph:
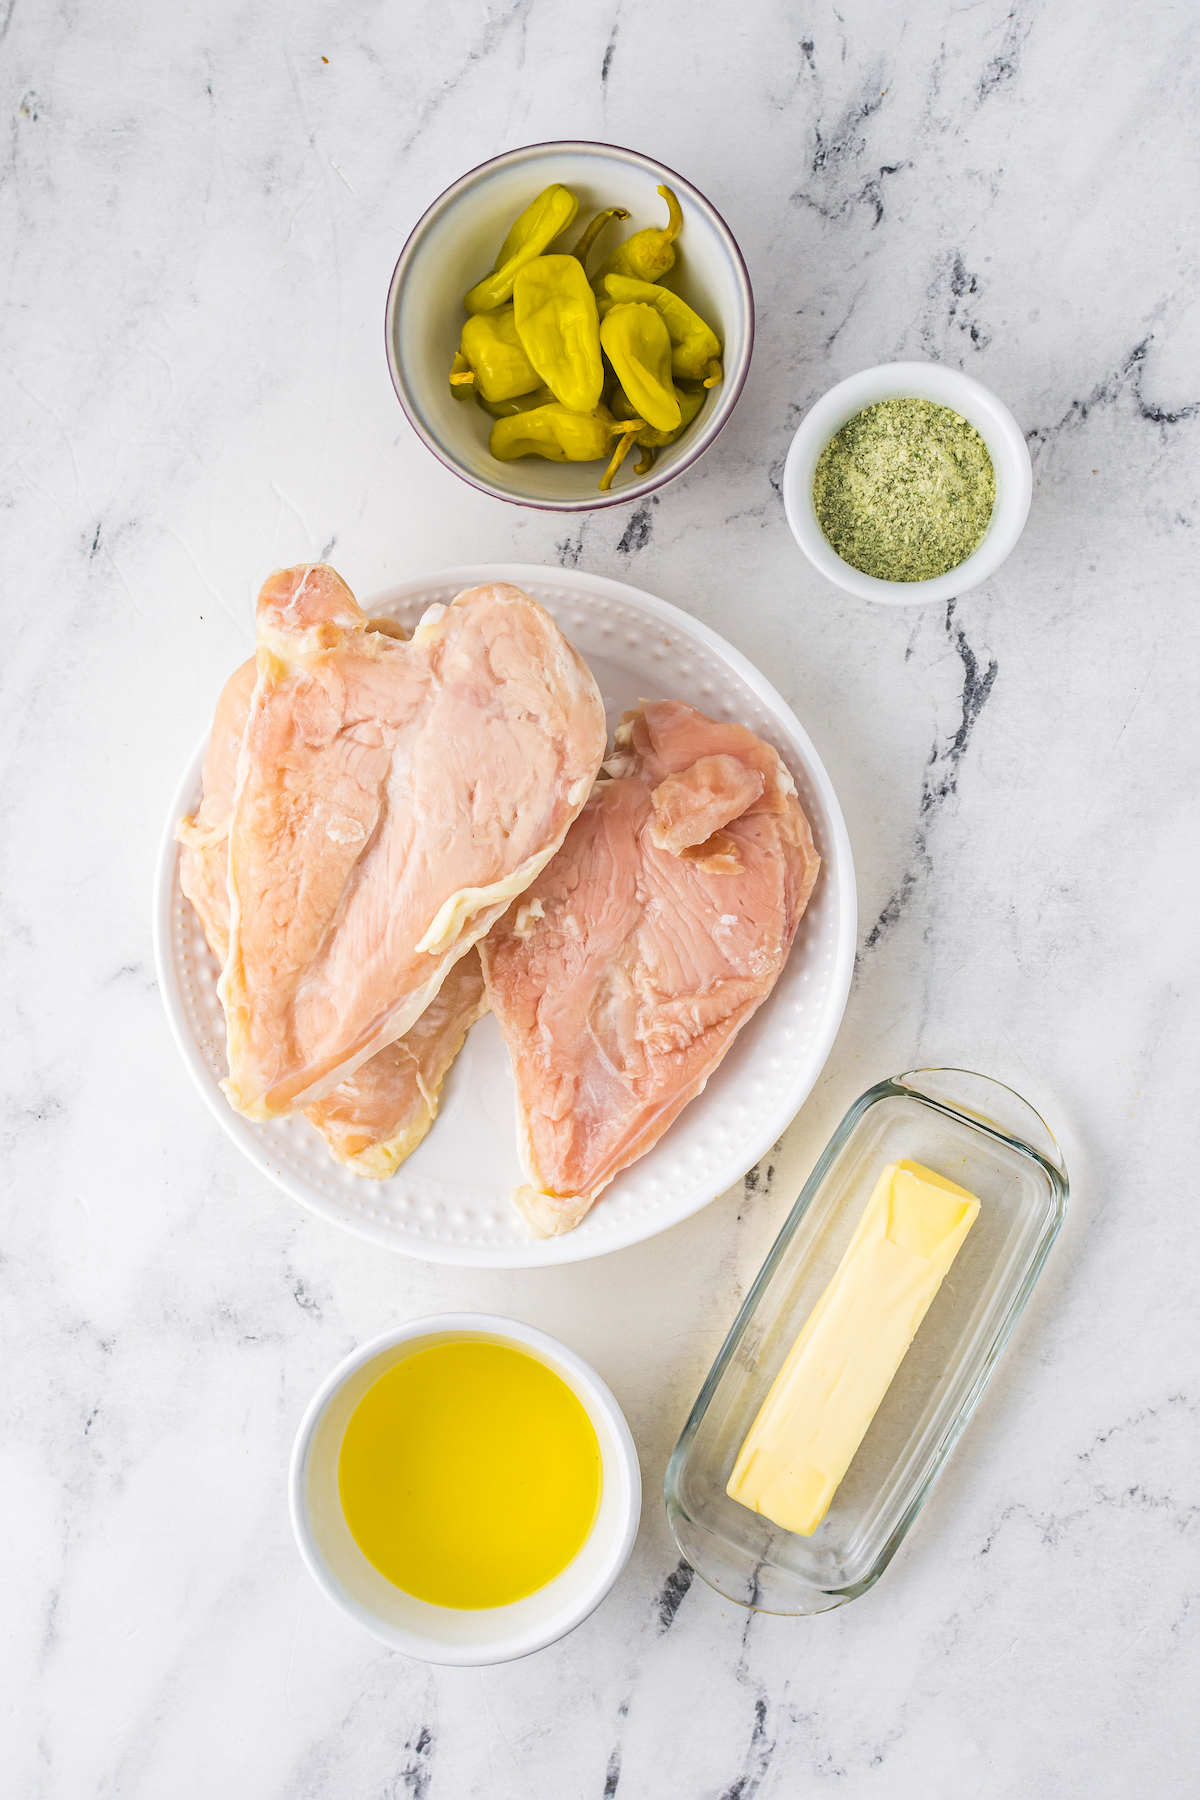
(557, 341)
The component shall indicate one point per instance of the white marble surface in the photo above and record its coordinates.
(200, 215)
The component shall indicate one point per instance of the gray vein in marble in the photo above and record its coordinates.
(1006, 63)
(1127, 376)
(494, 31)
(612, 1771)
(759, 1752)
(940, 780)
(638, 531)
(841, 151)
(303, 1294)
(609, 52)
(568, 550)
(976, 691)
(417, 1774)
(674, 1593)
(757, 1183)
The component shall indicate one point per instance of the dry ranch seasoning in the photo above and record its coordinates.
(904, 491)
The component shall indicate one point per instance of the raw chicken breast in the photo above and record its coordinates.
(392, 800)
(203, 860)
(626, 970)
(378, 1117)
(204, 857)
(688, 808)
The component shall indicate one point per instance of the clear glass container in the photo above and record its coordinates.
(988, 1140)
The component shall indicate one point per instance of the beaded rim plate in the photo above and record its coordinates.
(450, 1201)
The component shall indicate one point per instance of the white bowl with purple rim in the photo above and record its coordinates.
(455, 243)
(916, 381)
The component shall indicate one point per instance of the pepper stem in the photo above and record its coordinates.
(629, 431)
(462, 375)
(674, 223)
(583, 248)
(714, 373)
(647, 461)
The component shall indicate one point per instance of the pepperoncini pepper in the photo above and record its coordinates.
(583, 248)
(690, 399)
(648, 254)
(507, 409)
(537, 227)
(695, 347)
(561, 435)
(559, 327)
(638, 346)
(491, 359)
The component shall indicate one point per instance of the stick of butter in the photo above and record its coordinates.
(840, 1367)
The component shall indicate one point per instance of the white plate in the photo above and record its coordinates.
(450, 1201)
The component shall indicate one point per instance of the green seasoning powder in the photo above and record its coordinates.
(905, 490)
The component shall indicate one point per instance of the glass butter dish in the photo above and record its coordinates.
(984, 1138)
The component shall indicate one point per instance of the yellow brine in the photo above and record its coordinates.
(841, 1366)
(470, 1474)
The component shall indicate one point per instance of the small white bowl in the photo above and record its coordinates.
(443, 1634)
(456, 242)
(918, 381)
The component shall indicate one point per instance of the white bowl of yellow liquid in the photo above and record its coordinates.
(465, 1488)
